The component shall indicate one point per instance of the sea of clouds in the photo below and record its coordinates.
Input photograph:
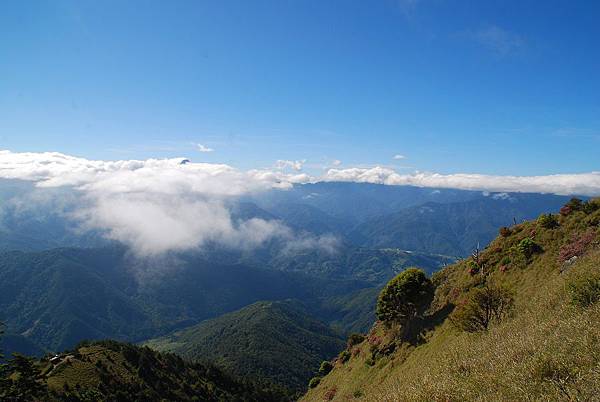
(161, 205)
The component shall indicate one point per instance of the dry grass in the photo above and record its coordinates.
(550, 351)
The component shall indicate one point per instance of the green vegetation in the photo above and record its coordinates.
(23, 380)
(404, 297)
(527, 247)
(314, 382)
(451, 228)
(272, 341)
(482, 307)
(108, 370)
(547, 221)
(325, 367)
(69, 281)
(541, 313)
(355, 339)
(584, 289)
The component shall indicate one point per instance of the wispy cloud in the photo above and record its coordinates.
(499, 41)
(398, 157)
(282, 164)
(203, 148)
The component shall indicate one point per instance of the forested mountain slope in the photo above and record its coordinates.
(452, 228)
(51, 297)
(275, 341)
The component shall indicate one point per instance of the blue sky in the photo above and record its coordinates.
(509, 87)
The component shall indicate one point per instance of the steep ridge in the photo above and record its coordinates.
(544, 348)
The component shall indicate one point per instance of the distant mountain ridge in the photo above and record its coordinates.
(359, 214)
(453, 228)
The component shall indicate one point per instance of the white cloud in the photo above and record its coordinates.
(156, 205)
(398, 157)
(202, 148)
(295, 165)
(336, 162)
(581, 184)
(159, 205)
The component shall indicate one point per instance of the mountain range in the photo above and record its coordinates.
(248, 311)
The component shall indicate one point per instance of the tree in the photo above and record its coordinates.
(26, 380)
(482, 307)
(404, 297)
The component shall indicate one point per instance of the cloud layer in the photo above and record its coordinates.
(161, 205)
(157, 205)
(564, 184)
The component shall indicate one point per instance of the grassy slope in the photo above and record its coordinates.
(274, 341)
(549, 350)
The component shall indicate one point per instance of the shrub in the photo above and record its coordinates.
(575, 204)
(591, 206)
(577, 246)
(344, 356)
(505, 231)
(565, 210)
(584, 290)
(355, 339)
(314, 382)
(325, 368)
(527, 247)
(404, 297)
(472, 268)
(482, 307)
(547, 221)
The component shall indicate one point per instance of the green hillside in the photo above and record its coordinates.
(543, 348)
(113, 371)
(275, 341)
